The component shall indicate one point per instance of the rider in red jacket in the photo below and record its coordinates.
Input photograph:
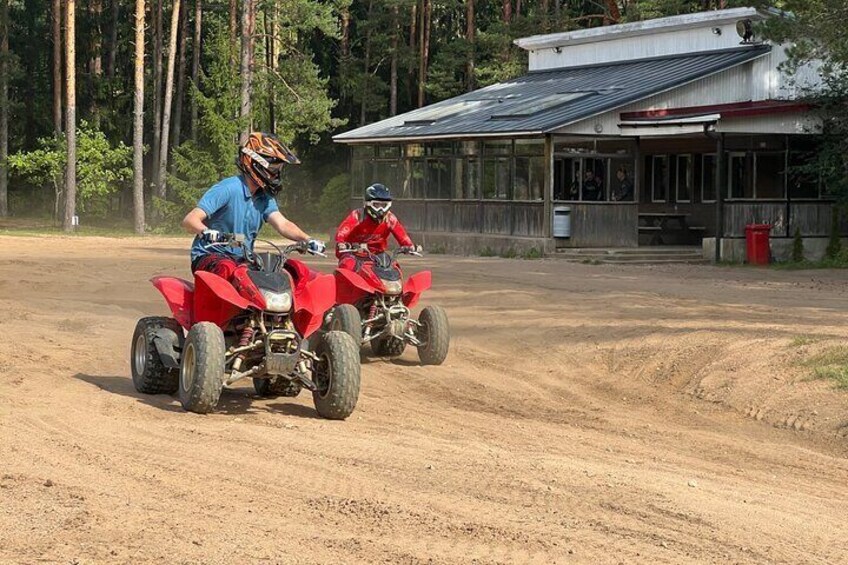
(372, 224)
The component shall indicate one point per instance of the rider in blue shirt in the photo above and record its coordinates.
(241, 205)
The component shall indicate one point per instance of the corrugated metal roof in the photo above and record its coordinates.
(543, 101)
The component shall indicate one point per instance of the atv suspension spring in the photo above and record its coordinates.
(246, 337)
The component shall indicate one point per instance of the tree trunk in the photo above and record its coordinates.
(95, 61)
(4, 107)
(138, 121)
(556, 14)
(161, 179)
(393, 72)
(614, 12)
(113, 40)
(157, 88)
(181, 72)
(248, 21)
(470, 39)
(507, 11)
(233, 30)
(517, 8)
(366, 82)
(424, 50)
(413, 37)
(56, 17)
(345, 32)
(195, 63)
(70, 115)
(271, 62)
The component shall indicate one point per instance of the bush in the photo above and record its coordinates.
(334, 203)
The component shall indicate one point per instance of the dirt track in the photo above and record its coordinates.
(586, 414)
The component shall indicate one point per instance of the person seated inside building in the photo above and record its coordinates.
(623, 189)
(593, 186)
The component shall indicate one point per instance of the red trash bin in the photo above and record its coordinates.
(757, 243)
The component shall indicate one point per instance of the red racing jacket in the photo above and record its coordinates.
(359, 227)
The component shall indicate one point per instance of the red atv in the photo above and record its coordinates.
(374, 302)
(271, 338)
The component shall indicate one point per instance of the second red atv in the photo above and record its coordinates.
(273, 338)
(374, 306)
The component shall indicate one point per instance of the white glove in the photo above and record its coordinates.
(210, 236)
(316, 247)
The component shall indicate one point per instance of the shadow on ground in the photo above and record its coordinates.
(233, 402)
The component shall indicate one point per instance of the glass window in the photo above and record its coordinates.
(363, 151)
(574, 146)
(658, 177)
(594, 180)
(357, 176)
(466, 179)
(740, 175)
(803, 182)
(529, 146)
(529, 178)
(469, 147)
(414, 150)
(438, 178)
(771, 176)
(683, 176)
(615, 147)
(567, 179)
(708, 178)
(385, 172)
(416, 178)
(388, 151)
(496, 178)
(497, 147)
(622, 188)
(439, 148)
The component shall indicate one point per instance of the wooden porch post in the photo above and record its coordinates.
(719, 188)
(548, 198)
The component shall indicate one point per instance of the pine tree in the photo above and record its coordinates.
(70, 115)
(138, 121)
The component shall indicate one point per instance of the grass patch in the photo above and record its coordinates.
(830, 364)
(488, 252)
(509, 253)
(802, 340)
(532, 253)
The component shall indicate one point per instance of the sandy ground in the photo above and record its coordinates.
(586, 414)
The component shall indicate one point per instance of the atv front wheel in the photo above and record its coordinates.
(345, 318)
(270, 388)
(336, 374)
(434, 335)
(149, 374)
(202, 368)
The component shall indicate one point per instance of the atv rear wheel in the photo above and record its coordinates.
(345, 318)
(149, 374)
(389, 346)
(434, 335)
(270, 388)
(336, 374)
(202, 368)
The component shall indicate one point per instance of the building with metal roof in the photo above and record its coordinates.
(669, 131)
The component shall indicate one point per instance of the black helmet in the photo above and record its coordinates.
(378, 200)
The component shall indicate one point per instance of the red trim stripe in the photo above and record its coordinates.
(734, 110)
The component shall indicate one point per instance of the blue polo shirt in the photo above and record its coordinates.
(230, 208)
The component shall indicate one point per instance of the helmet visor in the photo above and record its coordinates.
(379, 205)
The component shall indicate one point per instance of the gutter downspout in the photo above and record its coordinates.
(719, 212)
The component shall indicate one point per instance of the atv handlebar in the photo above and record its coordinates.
(414, 250)
(236, 240)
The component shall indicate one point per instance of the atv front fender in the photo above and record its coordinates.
(351, 286)
(415, 286)
(179, 294)
(312, 302)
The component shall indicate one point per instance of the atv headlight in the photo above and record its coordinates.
(392, 287)
(277, 301)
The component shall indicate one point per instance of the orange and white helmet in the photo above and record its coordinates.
(262, 158)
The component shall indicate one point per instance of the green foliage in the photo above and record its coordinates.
(102, 168)
(797, 247)
(488, 252)
(533, 253)
(334, 202)
(830, 364)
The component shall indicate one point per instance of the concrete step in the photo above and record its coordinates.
(633, 256)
